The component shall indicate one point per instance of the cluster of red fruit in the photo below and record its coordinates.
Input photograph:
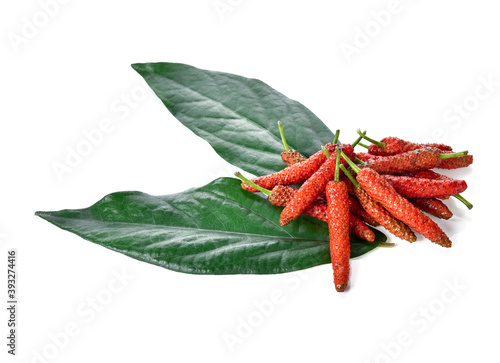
(391, 185)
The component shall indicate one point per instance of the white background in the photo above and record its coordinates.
(72, 70)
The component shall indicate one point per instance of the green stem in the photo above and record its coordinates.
(386, 244)
(336, 138)
(337, 164)
(378, 143)
(252, 184)
(325, 152)
(463, 200)
(363, 145)
(349, 175)
(453, 155)
(350, 162)
(282, 134)
(358, 139)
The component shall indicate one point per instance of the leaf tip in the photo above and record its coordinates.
(137, 66)
(41, 214)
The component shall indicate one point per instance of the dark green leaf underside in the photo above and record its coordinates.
(215, 229)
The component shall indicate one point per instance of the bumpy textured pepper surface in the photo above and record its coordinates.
(418, 187)
(382, 216)
(360, 229)
(291, 157)
(293, 174)
(338, 226)
(432, 206)
(281, 195)
(456, 162)
(419, 159)
(428, 174)
(318, 210)
(311, 188)
(394, 145)
(357, 209)
(383, 192)
(366, 156)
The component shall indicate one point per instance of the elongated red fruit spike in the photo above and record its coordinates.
(405, 146)
(289, 156)
(359, 228)
(455, 163)
(356, 225)
(338, 226)
(281, 195)
(366, 156)
(293, 174)
(312, 187)
(432, 206)
(393, 145)
(420, 159)
(415, 160)
(380, 214)
(354, 206)
(412, 187)
(357, 209)
(343, 178)
(430, 174)
(383, 192)
(318, 210)
(386, 220)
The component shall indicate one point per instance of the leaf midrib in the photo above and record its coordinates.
(155, 75)
(42, 215)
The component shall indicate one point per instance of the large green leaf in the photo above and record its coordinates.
(215, 229)
(236, 115)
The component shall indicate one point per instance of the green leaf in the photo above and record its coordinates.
(238, 116)
(216, 229)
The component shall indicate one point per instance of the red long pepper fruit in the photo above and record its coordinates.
(338, 226)
(419, 159)
(394, 145)
(383, 192)
(414, 187)
(357, 209)
(432, 206)
(291, 157)
(311, 188)
(282, 194)
(343, 178)
(293, 174)
(428, 174)
(455, 163)
(359, 228)
(366, 156)
(382, 216)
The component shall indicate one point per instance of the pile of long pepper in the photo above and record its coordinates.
(392, 185)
